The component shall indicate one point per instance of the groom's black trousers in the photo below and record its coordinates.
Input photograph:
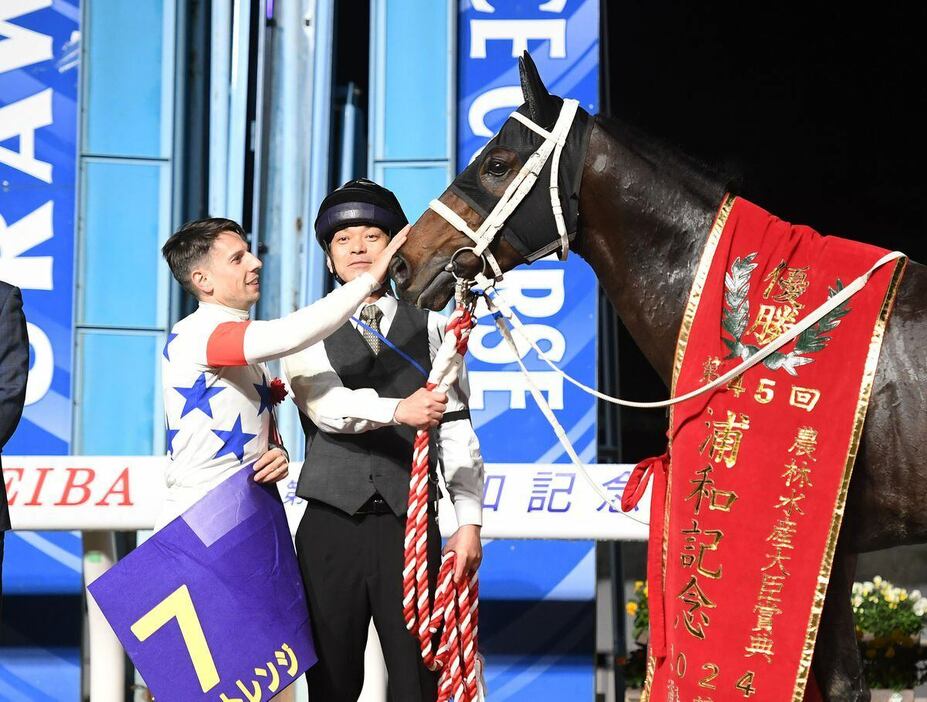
(352, 571)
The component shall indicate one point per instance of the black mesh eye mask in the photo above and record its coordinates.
(531, 228)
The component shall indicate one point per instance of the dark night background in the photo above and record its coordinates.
(818, 112)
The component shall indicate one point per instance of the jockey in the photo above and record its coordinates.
(218, 401)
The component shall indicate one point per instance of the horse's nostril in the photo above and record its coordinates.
(399, 270)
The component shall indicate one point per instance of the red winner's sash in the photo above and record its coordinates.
(741, 548)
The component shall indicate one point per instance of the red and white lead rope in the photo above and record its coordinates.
(455, 605)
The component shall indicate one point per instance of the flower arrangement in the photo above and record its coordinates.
(637, 608)
(889, 621)
(634, 665)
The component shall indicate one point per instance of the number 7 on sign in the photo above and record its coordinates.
(179, 605)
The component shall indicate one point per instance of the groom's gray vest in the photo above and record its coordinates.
(345, 470)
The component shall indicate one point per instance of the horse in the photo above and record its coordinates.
(641, 212)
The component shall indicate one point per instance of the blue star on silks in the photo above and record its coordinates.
(233, 441)
(171, 433)
(170, 338)
(197, 397)
(263, 391)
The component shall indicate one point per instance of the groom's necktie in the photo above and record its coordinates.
(370, 316)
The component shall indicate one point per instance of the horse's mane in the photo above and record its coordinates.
(715, 180)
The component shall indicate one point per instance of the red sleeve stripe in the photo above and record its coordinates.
(226, 345)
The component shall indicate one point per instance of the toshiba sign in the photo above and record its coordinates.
(84, 492)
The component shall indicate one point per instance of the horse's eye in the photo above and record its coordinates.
(496, 167)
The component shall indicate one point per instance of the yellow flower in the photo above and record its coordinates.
(631, 608)
(638, 585)
(890, 652)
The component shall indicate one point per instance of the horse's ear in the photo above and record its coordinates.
(543, 106)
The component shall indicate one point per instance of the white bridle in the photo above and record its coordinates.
(516, 191)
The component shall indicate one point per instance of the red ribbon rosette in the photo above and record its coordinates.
(278, 391)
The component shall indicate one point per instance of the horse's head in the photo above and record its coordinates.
(481, 223)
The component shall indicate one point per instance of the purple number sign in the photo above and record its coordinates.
(212, 606)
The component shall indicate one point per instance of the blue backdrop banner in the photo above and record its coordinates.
(538, 627)
(38, 152)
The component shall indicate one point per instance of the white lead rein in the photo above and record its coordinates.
(544, 406)
(770, 348)
(504, 316)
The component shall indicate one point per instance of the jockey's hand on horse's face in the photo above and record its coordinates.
(466, 544)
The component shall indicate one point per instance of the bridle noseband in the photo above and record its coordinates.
(517, 190)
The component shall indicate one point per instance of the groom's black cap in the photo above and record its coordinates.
(357, 202)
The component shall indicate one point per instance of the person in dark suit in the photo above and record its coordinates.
(14, 369)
